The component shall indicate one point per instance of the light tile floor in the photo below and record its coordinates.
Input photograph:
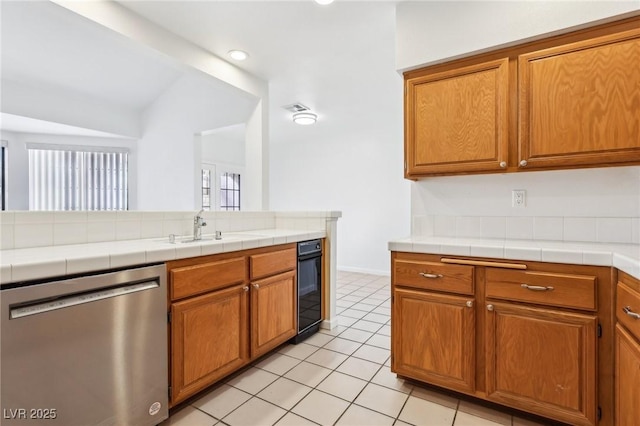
(336, 377)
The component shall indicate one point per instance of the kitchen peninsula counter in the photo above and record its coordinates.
(51, 261)
(625, 257)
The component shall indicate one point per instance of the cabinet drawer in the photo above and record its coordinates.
(434, 276)
(272, 263)
(627, 305)
(196, 279)
(544, 288)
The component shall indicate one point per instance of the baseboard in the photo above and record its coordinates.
(329, 324)
(385, 273)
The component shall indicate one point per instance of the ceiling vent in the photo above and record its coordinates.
(297, 107)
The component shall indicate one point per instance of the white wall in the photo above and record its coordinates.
(218, 147)
(598, 192)
(119, 19)
(18, 161)
(169, 152)
(351, 160)
(434, 31)
(429, 32)
(68, 107)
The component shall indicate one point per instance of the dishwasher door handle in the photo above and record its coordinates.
(25, 310)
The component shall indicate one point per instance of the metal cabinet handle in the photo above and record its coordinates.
(523, 163)
(489, 307)
(536, 287)
(469, 304)
(256, 286)
(426, 275)
(503, 164)
(627, 310)
(245, 288)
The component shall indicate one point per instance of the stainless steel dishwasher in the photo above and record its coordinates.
(89, 350)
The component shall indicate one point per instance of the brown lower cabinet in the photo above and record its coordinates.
(544, 360)
(533, 336)
(628, 351)
(227, 310)
(421, 318)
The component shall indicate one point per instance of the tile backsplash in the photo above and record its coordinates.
(23, 229)
(583, 229)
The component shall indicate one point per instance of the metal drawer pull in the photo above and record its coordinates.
(490, 308)
(425, 275)
(627, 310)
(536, 287)
(256, 286)
(469, 304)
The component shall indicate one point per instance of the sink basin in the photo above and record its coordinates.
(187, 239)
(191, 240)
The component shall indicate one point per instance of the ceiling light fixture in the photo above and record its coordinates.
(324, 2)
(305, 118)
(238, 55)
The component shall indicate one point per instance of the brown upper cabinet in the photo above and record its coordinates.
(567, 101)
(457, 120)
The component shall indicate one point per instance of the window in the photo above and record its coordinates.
(77, 178)
(206, 189)
(230, 191)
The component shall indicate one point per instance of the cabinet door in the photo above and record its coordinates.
(579, 103)
(457, 120)
(209, 339)
(627, 378)
(542, 361)
(273, 312)
(433, 338)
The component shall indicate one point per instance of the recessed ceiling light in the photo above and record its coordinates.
(305, 118)
(324, 2)
(238, 55)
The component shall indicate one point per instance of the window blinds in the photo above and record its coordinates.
(62, 179)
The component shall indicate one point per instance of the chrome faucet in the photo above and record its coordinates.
(198, 223)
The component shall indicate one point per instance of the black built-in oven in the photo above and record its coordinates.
(309, 288)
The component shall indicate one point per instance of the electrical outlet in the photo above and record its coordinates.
(518, 198)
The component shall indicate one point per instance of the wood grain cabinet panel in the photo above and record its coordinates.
(628, 309)
(457, 120)
(433, 338)
(566, 101)
(220, 320)
(210, 339)
(627, 378)
(627, 348)
(203, 277)
(580, 103)
(271, 263)
(543, 288)
(542, 361)
(546, 349)
(434, 276)
(273, 312)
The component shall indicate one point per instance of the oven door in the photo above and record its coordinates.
(309, 291)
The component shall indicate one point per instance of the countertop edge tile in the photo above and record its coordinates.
(88, 264)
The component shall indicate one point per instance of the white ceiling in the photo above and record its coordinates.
(329, 58)
(45, 45)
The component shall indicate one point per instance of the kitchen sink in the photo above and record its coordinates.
(188, 239)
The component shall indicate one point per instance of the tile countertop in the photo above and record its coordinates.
(43, 262)
(625, 257)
